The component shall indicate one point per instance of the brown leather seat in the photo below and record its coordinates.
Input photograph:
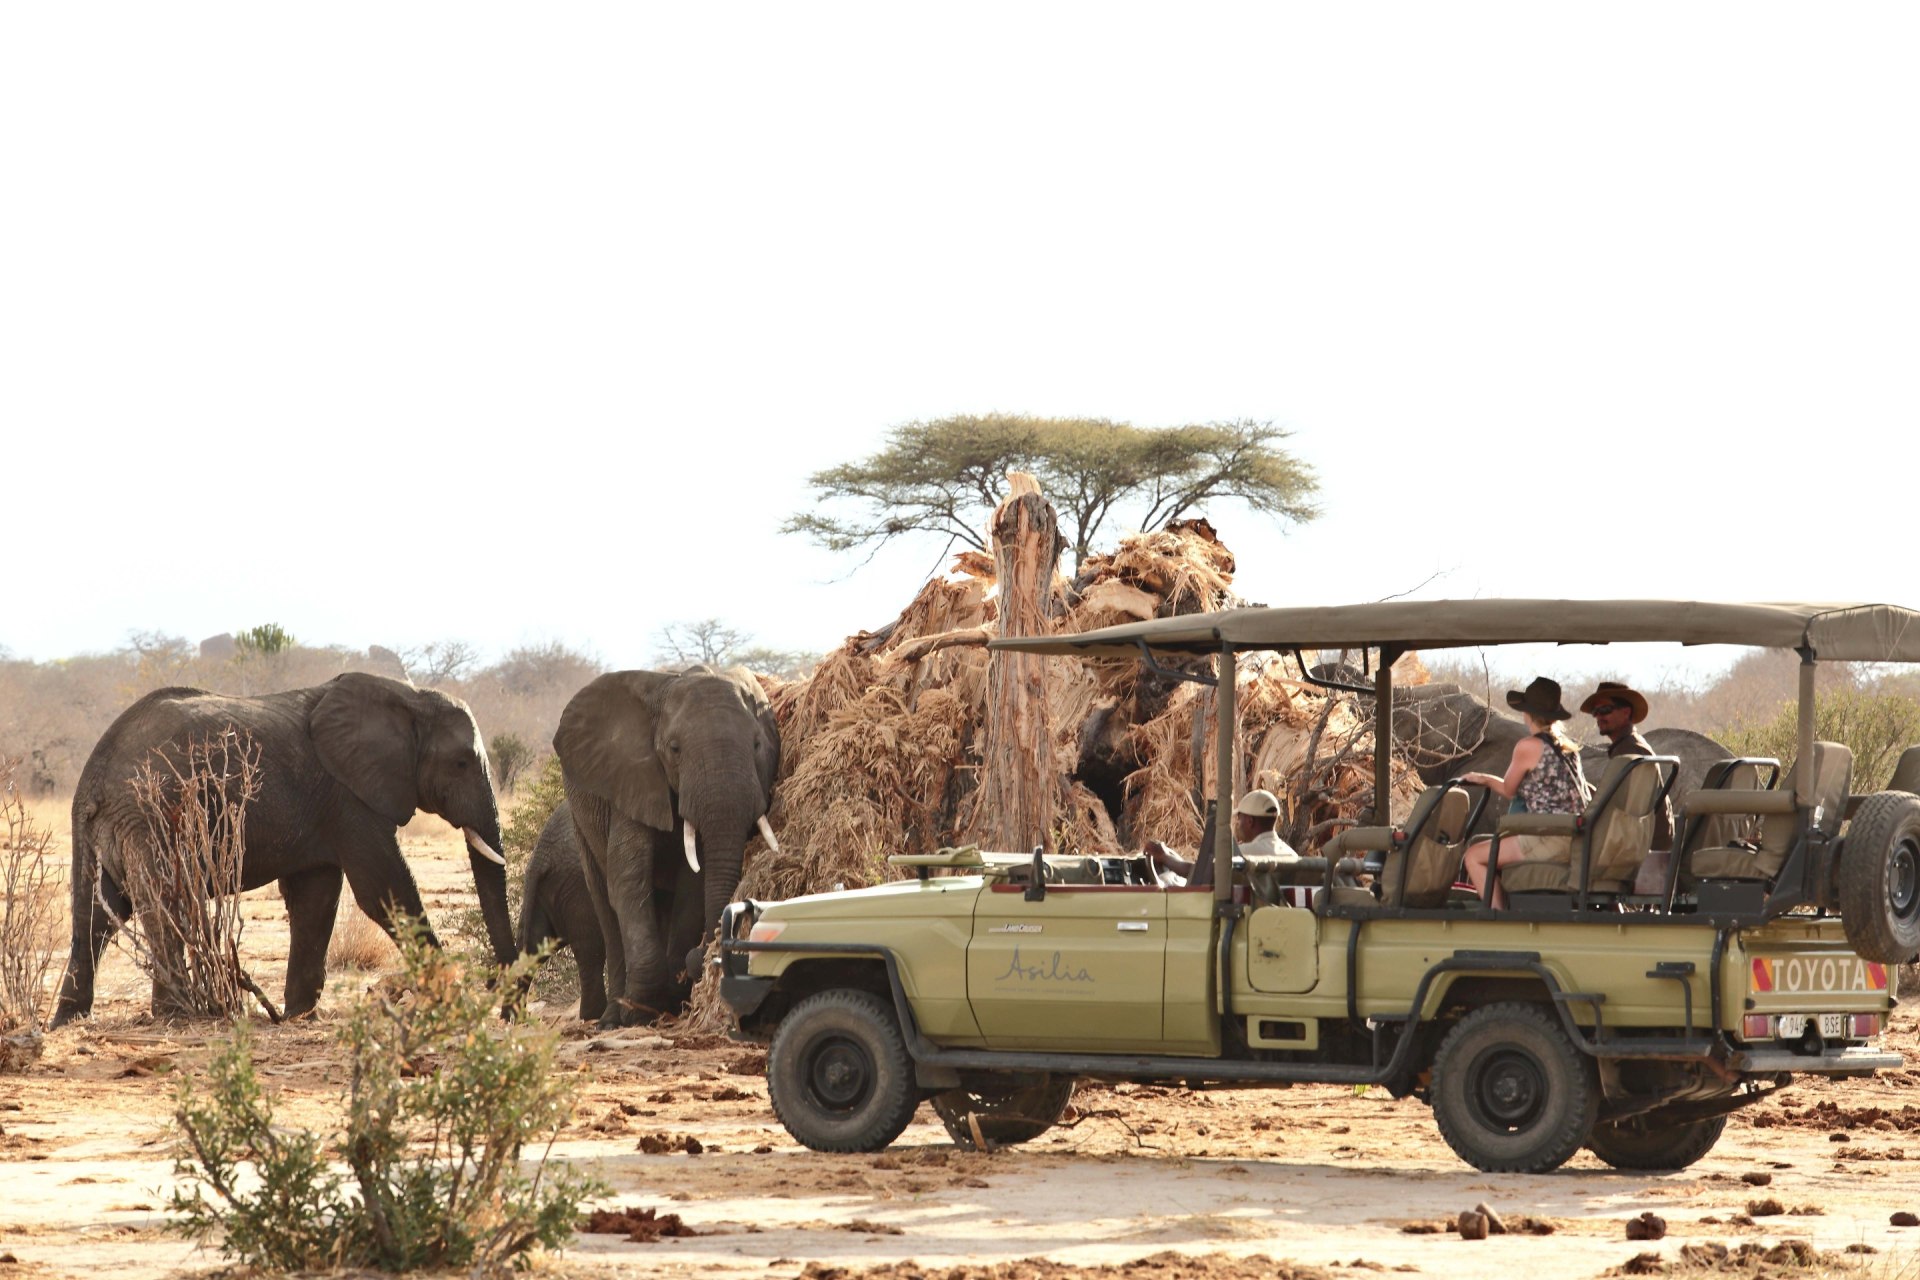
(1612, 837)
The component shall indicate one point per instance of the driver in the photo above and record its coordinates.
(1254, 819)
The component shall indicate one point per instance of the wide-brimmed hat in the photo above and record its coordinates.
(1541, 700)
(1259, 804)
(1614, 691)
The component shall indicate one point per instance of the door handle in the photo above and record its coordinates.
(1132, 926)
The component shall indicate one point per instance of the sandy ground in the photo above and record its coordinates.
(1326, 1178)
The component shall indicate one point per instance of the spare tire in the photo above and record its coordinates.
(1006, 1116)
(1879, 878)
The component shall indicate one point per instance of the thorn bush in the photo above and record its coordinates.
(427, 1172)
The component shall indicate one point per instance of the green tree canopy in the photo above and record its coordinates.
(945, 477)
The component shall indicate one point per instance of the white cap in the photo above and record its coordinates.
(1259, 804)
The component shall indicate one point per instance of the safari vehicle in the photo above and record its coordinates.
(1583, 1014)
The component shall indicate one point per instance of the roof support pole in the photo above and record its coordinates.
(1383, 739)
(1803, 752)
(1227, 712)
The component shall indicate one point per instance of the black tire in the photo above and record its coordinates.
(838, 1073)
(1648, 1142)
(1006, 1116)
(1511, 1093)
(1879, 878)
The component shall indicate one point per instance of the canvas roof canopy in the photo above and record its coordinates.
(1832, 632)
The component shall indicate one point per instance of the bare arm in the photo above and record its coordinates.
(1526, 754)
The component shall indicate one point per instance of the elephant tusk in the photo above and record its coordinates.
(481, 847)
(692, 838)
(766, 833)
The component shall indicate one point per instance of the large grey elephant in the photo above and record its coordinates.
(554, 903)
(1447, 731)
(341, 767)
(668, 774)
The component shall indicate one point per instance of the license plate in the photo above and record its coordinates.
(1832, 1026)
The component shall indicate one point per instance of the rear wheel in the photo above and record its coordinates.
(1879, 878)
(1511, 1093)
(838, 1073)
(1006, 1116)
(1648, 1142)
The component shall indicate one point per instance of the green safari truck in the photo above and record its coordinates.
(1587, 1012)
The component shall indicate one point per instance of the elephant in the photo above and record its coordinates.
(1448, 731)
(341, 767)
(554, 904)
(657, 765)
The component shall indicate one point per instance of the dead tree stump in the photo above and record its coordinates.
(1019, 783)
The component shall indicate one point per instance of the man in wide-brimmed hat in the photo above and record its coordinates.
(1616, 709)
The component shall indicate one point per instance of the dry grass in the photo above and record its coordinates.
(358, 945)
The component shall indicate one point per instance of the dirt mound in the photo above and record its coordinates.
(1829, 1115)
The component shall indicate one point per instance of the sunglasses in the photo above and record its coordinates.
(1609, 709)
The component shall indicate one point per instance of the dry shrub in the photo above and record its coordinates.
(29, 922)
(183, 877)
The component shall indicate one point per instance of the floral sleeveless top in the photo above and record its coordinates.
(1557, 784)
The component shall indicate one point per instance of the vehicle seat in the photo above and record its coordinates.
(1413, 865)
(1425, 860)
(1699, 831)
(1779, 818)
(1906, 772)
(1613, 836)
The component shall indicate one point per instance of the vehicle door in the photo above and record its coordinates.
(1082, 966)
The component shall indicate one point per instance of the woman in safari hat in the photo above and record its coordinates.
(1544, 775)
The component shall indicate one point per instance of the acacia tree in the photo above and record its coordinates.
(944, 477)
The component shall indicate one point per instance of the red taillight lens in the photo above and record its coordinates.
(1866, 1025)
(1756, 1026)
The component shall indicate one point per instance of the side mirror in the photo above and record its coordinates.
(1037, 877)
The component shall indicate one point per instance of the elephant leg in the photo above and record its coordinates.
(645, 994)
(590, 955)
(612, 967)
(167, 952)
(312, 898)
(93, 925)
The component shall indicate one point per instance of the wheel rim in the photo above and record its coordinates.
(840, 1075)
(1903, 879)
(1508, 1090)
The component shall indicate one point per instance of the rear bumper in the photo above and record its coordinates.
(1858, 1059)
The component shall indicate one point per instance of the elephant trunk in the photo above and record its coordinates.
(719, 819)
(490, 883)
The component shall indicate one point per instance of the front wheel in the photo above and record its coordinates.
(1648, 1142)
(1511, 1093)
(1006, 1116)
(838, 1073)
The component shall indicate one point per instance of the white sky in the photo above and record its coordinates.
(396, 322)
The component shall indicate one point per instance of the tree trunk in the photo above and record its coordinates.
(1019, 780)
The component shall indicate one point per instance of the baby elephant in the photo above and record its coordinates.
(554, 904)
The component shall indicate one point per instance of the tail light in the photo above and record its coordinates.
(1866, 1025)
(1756, 1026)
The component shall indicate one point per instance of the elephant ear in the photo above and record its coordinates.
(755, 695)
(365, 731)
(606, 744)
